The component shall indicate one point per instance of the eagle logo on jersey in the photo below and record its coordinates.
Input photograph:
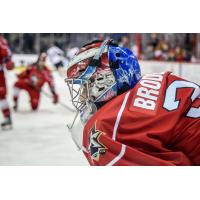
(95, 147)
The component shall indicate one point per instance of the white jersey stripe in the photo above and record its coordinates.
(117, 158)
(119, 116)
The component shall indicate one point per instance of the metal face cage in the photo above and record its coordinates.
(79, 92)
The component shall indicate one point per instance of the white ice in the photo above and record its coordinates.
(41, 137)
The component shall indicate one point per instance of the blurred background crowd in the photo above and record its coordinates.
(181, 47)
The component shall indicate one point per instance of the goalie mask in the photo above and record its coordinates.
(99, 72)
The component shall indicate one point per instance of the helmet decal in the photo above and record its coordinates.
(102, 70)
(126, 67)
(85, 55)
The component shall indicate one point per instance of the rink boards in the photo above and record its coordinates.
(188, 71)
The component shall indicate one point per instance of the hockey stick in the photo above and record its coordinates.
(62, 104)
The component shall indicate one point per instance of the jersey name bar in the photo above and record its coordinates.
(148, 91)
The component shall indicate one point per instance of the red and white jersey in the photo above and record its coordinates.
(5, 62)
(155, 123)
(4, 50)
(37, 77)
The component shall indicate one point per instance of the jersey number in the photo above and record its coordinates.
(170, 102)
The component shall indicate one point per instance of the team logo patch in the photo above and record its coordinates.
(95, 147)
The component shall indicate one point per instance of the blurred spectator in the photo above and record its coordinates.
(147, 46)
(160, 49)
(28, 42)
(149, 52)
(154, 39)
(56, 56)
(124, 41)
(71, 52)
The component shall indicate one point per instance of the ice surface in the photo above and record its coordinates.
(40, 138)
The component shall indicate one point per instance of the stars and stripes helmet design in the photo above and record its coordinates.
(100, 71)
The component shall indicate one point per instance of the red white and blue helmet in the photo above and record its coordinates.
(105, 69)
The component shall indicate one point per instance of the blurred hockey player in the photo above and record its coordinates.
(71, 52)
(32, 80)
(57, 57)
(129, 119)
(5, 63)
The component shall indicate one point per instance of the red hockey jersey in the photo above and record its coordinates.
(4, 50)
(37, 78)
(155, 123)
(5, 61)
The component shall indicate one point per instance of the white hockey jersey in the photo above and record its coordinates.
(55, 55)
